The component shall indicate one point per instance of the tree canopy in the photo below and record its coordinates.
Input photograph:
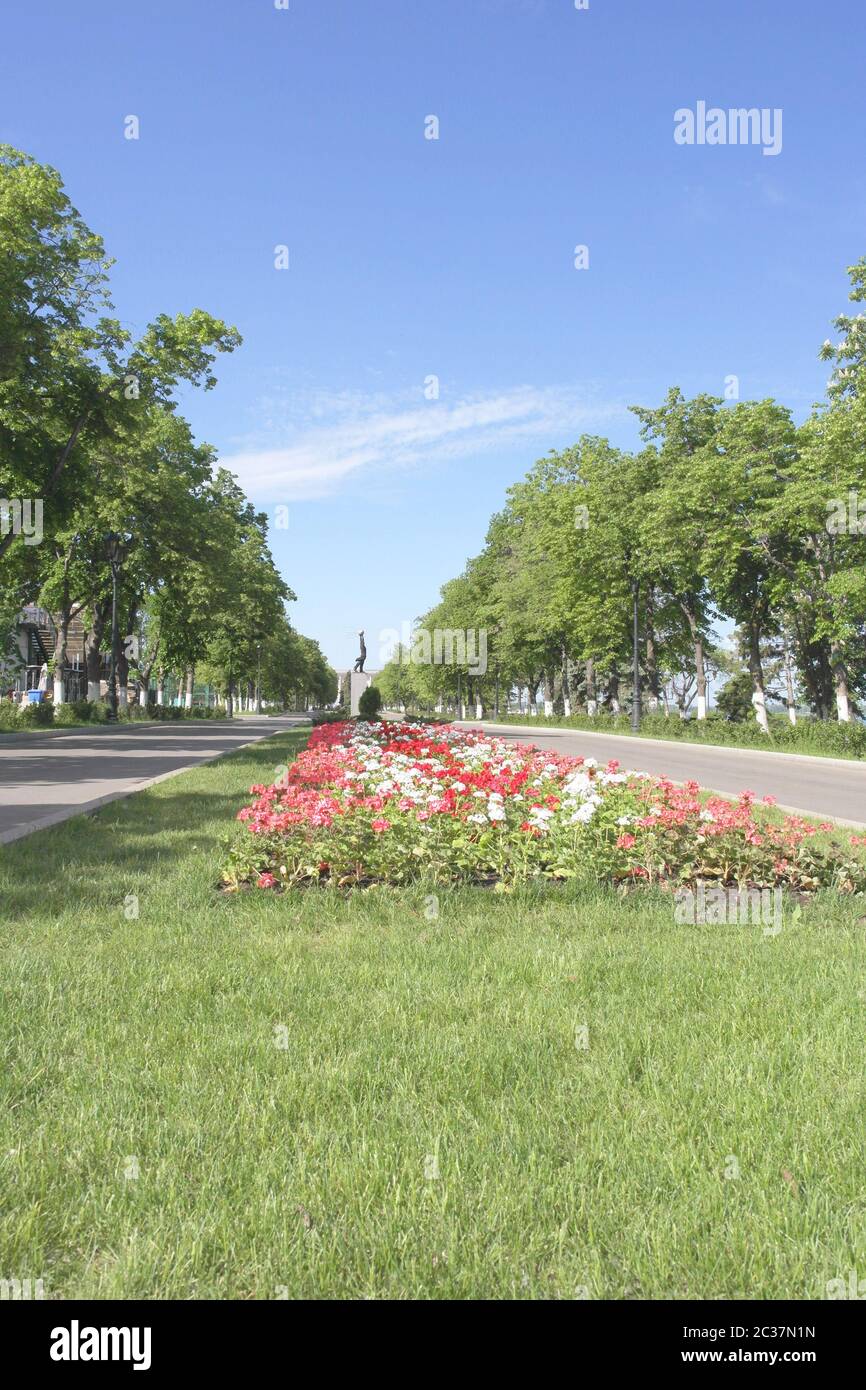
(91, 434)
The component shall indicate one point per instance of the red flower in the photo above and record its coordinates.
(626, 842)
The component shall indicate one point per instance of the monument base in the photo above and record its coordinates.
(358, 683)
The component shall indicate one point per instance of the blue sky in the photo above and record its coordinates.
(453, 257)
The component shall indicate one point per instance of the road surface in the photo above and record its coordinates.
(47, 777)
(831, 787)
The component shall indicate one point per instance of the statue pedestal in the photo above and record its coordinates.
(358, 683)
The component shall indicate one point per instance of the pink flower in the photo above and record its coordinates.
(626, 842)
(380, 825)
(266, 881)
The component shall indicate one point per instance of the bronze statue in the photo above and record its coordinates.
(359, 664)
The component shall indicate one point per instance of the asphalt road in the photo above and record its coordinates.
(831, 787)
(47, 777)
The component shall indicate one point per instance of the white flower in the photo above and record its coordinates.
(495, 811)
(478, 820)
(584, 813)
(655, 810)
(708, 816)
(578, 785)
(624, 820)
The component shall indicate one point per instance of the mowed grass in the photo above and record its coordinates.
(551, 1095)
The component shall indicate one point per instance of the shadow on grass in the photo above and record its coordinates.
(148, 832)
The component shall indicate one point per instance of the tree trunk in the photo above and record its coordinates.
(700, 669)
(789, 684)
(756, 670)
(612, 692)
(840, 678)
(61, 647)
(122, 677)
(93, 649)
(190, 687)
(652, 669)
(549, 693)
(812, 660)
(591, 697)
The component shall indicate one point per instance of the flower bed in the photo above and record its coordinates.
(395, 803)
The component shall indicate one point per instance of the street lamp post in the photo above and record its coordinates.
(258, 678)
(635, 704)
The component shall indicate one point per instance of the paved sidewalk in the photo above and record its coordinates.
(48, 777)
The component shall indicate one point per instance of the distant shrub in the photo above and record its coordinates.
(165, 713)
(39, 716)
(370, 702)
(64, 716)
(734, 700)
(330, 716)
(135, 713)
(8, 715)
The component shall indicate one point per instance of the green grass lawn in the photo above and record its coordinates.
(255, 1096)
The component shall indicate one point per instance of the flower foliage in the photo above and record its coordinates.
(395, 803)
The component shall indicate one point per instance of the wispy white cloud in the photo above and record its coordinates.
(339, 436)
